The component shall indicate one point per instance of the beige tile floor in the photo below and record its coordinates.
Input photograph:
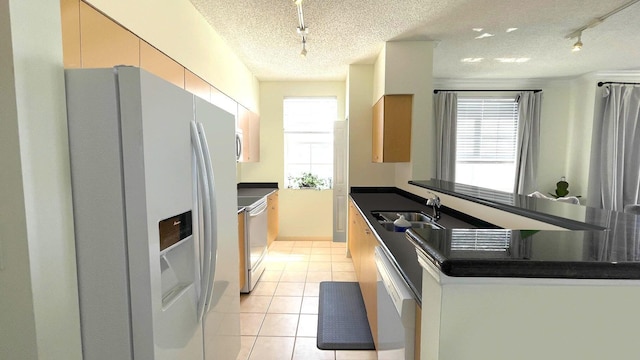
(279, 318)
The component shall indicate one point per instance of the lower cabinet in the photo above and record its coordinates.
(418, 333)
(241, 248)
(362, 242)
(272, 218)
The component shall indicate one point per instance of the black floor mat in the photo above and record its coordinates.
(342, 318)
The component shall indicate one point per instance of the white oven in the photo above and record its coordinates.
(255, 239)
(396, 312)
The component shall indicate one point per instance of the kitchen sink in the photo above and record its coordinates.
(411, 216)
(414, 224)
(417, 219)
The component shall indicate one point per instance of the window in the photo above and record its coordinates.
(487, 130)
(308, 142)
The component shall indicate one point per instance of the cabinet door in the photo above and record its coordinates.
(377, 140)
(241, 248)
(196, 85)
(156, 62)
(368, 283)
(70, 18)
(104, 43)
(272, 218)
(391, 130)
(249, 122)
(353, 236)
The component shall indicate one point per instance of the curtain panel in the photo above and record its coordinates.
(445, 107)
(615, 153)
(528, 145)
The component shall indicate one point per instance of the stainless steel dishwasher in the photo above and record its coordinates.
(396, 312)
(255, 237)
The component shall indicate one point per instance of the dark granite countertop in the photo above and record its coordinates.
(253, 190)
(603, 244)
(256, 189)
(402, 251)
(460, 250)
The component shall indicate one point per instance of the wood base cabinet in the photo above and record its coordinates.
(273, 226)
(362, 242)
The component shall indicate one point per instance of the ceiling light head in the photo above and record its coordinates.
(578, 45)
(512, 29)
(484, 35)
(297, 2)
(303, 53)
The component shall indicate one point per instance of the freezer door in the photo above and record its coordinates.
(158, 178)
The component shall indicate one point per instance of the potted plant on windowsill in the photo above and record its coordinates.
(308, 180)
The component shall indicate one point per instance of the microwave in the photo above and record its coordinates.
(239, 144)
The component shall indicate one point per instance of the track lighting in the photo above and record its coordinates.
(303, 31)
(595, 22)
(578, 45)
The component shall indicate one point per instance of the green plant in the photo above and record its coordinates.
(308, 180)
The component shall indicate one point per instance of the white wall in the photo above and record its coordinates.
(304, 214)
(362, 171)
(38, 288)
(176, 28)
(554, 132)
(406, 67)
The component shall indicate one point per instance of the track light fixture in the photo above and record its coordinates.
(593, 23)
(578, 45)
(303, 31)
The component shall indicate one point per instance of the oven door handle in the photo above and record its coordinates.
(258, 210)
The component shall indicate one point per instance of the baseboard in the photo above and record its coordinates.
(304, 238)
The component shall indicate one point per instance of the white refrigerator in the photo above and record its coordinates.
(153, 174)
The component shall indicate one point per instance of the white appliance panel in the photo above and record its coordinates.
(132, 167)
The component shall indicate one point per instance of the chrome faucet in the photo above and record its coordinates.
(434, 201)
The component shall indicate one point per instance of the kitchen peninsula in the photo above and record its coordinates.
(518, 294)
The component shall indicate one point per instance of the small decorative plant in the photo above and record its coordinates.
(308, 180)
(562, 189)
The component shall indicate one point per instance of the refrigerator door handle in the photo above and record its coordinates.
(206, 205)
(214, 222)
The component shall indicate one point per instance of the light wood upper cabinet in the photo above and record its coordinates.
(391, 140)
(249, 123)
(272, 218)
(70, 17)
(241, 248)
(195, 85)
(104, 43)
(156, 62)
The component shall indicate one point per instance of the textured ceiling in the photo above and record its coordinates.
(263, 35)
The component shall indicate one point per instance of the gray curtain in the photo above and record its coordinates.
(445, 106)
(528, 144)
(615, 154)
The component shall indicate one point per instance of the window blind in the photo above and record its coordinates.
(484, 240)
(487, 130)
(308, 137)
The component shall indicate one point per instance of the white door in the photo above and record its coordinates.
(340, 180)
